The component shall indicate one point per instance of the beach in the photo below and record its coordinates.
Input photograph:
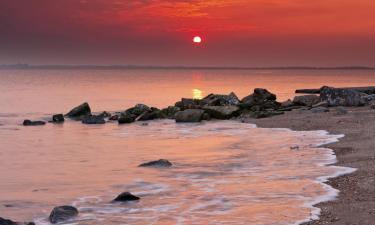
(355, 203)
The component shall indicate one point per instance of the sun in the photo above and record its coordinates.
(197, 39)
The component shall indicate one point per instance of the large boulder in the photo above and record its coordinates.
(79, 111)
(259, 96)
(189, 103)
(153, 113)
(306, 100)
(138, 109)
(189, 116)
(342, 97)
(126, 118)
(170, 111)
(63, 213)
(10, 222)
(93, 120)
(58, 118)
(220, 100)
(126, 197)
(33, 123)
(222, 112)
(157, 163)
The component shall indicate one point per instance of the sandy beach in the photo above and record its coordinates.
(356, 201)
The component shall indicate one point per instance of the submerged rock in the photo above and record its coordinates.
(341, 110)
(93, 120)
(157, 163)
(58, 118)
(10, 222)
(80, 111)
(126, 197)
(126, 118)
(189, 116)
(33, 123)
(62, 213)
(342, 97)
(306, 100)
(222, 112)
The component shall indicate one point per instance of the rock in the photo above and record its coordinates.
(220, 100)
(306, 100)
(93, 120)
(58, 118)
(33, 123)
(126, 118)
(138, 109)
(206, 116)
(321, 104)
(369, 98)
(154, 113)
(222, 112)
(125, 197)
(341, 110)
(189, 116)
(62, 213)
(286, 104)
(319, 109)
(372, 105)
(10, 222)
(80, 111)
(342, 97)
(189, 103)
(105, 114)
(157, 163)
(258, 97)
(114, 117)
(259, 114)
(170, 111)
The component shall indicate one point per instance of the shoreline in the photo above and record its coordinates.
(356, 190)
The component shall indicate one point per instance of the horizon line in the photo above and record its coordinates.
(179, 67)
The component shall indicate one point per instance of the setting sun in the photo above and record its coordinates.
(197, 39)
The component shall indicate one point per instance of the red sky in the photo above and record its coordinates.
(160, 32)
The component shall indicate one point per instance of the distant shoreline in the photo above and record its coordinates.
(141, 67)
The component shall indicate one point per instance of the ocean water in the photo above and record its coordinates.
(224, 172)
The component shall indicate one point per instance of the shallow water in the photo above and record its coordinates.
(224, 172)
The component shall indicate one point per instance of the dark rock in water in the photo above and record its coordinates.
(126, 197)
(93, 120)
(126, 118)
(157, 163)
(319, 109)
(62, 213)
(114, 117)
(33, 123)
(80, 111)
(260, 114)
(222, 112)
(258, 97)
(189, 116)
(10, 222)
(342, 97)
(138, 109)
(105, 114)
(170, 111)
(154, 113)
(220, 100)
(306, 100)
(58, 118)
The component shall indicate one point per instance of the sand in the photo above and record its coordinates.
(355, 204)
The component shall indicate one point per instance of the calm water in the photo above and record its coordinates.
(224, 172)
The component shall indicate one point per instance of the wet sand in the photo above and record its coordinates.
(355, 204)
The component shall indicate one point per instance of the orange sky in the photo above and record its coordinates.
(159, 32)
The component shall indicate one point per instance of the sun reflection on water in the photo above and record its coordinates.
(197, 94)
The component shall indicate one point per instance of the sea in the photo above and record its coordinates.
(224, 172)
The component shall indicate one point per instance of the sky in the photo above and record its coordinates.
(160, 32)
